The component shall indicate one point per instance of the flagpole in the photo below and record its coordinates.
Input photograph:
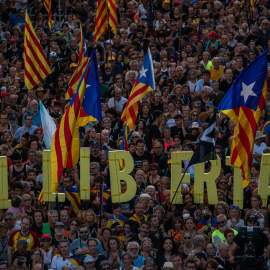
(179, 184)
(100, 179)
(153, 167)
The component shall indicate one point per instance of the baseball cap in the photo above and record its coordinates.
(12, 40)
(109, 41)
(45, 236)
(212, 34)
(95, 144)
(251, 217)
(144, 17)
(57, 102)
(195, 125)
(59, 224)
(88, 259)
(209, 104)
(12, 116)
(53, 54)
(4, 94)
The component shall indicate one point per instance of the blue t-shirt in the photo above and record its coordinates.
(16, 21)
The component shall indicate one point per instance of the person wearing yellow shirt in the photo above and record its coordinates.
(217, 70)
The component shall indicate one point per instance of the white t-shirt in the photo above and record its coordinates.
(259, 150)
(58, 263)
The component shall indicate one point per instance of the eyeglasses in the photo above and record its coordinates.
(234, 207)
(46, 240)
(27, 200)
(133, 249)
(221, 222)
(195, 115)
(5, 82)
(74, 224)
(82, 232)
(223, 183)
(188, 237)
(8, 219)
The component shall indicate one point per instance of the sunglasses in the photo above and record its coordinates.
(234, 207)
(136, 137)
(8, 219)
(221, 222)
(82, 232)
(46, 240)
(74, 224)
(27, 200)
(223, 183)
(188, 237)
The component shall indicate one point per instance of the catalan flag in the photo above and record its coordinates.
(144, 83)
(36, 66)
(84, 104)
(243, 103)
(101, 19)
(137, 17)
(263, 126)
(82, 46)
(48, 6)
(124, 143)
(74, 197)
(73, 259)
(113, 15)
(252, 4)
(80, 69)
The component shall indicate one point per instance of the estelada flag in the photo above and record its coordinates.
(243, 103)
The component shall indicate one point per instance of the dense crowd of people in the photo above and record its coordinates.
(198, 50)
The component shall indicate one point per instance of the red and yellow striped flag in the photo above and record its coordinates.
(243, 104)
(36, 66)
(48, 6)
(83, 61)
(144, 83)
(113, 15)
(101, 20)
(252, 4)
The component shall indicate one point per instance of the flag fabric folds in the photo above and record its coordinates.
(101, 19)
(243, 103)
(265, 125)
(74, 197)
(82, 46)
(36, 66)
(79, 71)
(112, 15)
(65, 145)
(205, 150)
(48, 125)
(48, 6)
(137, 17)
(124, 143)
(252, 4)
(144, 83)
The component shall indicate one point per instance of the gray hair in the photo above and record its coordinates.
(198, 240)
(133, 242)
(144, 195)
(220, 216)
(52, 212)
(64, 241)
(9, 214)
(150, 187)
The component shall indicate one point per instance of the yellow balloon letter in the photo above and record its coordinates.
(209, 178)
(5, 203)
(237, 185)
(264, 189)
(177, 158)
(116, 175)
(84, 173)
(46, 173)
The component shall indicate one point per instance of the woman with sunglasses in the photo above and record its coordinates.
(73, 230)
(234, 220)
(26, 202)
(187, 245)
(222, 184)
(47, 250)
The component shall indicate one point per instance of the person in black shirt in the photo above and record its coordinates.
(179, 128)
(140, 154)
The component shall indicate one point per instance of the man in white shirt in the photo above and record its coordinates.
(118, 102)
(259, 146)
(64, 257)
